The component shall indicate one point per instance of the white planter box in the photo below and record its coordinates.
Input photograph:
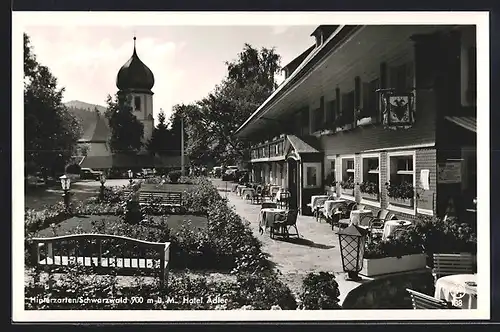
(379, 266)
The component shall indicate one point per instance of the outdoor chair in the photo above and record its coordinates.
(423, 301)
(284, 200)
(320, 209)
(449, 264)
(376, 223)
(257, 196)
(342, 215)
(283, 222)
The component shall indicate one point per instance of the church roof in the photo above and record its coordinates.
(135, 75)
(97, 131)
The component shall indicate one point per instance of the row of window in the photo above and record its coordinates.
(274, 149)
(400, 184)
(361, 102)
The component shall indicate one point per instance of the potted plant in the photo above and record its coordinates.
(362, 118)
(401, 193)
(369, 190)
(347, 186)
(399, 254)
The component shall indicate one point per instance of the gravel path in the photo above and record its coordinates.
(316, 250)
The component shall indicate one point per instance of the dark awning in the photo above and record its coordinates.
(467, 122)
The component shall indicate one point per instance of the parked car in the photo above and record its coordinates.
(230, 174)
(90, 174)
(147, 173)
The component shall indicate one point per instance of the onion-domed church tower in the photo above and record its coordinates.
(136, 80)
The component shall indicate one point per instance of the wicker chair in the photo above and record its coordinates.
(376, 223)
(257, 196)
(342, 215)
(284, 200)
(283, 222)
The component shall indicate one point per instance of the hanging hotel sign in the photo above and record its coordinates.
(450, 172)
(397, 109)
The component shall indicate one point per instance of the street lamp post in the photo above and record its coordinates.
(65, 184)
(102, 179)
(130, 176)
(182, 145)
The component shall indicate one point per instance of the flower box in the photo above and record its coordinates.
(386, 265)
(347, 191)
(408, 202)
(365, 121)
(371, 197)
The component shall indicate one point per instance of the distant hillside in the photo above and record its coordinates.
(85, 112)
(85, 106)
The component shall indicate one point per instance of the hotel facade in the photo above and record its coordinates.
(382, 115)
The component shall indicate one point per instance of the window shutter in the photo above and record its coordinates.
(337, 105)
(409, 76)
(322, 109)
(329, 112)
(472, 75)
(357, 92)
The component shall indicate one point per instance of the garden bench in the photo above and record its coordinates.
(103, 253)
(173, 199)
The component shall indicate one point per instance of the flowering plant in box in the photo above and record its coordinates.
(348, 183)
(403, 190)
(369, 187)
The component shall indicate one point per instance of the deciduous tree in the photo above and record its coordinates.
(51, 132)
(213, 120)
(126, 130)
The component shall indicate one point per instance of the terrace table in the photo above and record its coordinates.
(459, 289)
(315, 199)
(240, 188)
(247, 193)
(391, 225)
(358, 215)
(331, 205)
(266, 217)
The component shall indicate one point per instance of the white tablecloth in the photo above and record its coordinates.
(240, 188)
(317, 200)
(266, 217)
(391, 225)
(331, 205)
(247, 192)
(459, 289)
(357, 215)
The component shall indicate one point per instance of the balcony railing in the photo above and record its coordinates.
(269, 149)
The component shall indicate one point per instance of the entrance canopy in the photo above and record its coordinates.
(295, 146)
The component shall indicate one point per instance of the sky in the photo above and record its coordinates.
(187, 61)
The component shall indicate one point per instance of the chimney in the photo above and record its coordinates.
(323, 32)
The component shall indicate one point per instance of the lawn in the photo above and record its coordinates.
(69, 226)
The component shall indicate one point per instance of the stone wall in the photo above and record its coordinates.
(389, 292)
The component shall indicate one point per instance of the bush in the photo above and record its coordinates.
(73, 169)
(427, 234)
(174, 176)
(320, 291)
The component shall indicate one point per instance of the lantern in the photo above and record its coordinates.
(130, 176)
(102, 179)
(352, 248)
(65, 182)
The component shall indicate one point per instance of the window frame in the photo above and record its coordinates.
(317, 166)
(363, 156)
(341, 158)
(413, 210)
(137, 98)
